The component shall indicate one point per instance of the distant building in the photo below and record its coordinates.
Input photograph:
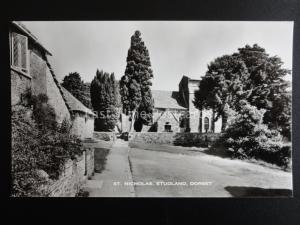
(174, 111)
(30, 69)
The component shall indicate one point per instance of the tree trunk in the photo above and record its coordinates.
(213, 122)
(132, 120)
(224, 122)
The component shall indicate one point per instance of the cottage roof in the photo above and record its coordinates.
(167, 99)
(74, 103)
(27, 32)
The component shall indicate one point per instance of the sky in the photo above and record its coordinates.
(176, 48)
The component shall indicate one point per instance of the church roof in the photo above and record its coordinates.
(166, 99)
(74, 103)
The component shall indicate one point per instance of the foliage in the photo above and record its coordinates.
(104, 98)
(251, 75)
(25, 154)
(222, 86)
(136, 82)
(189, 140)
(38, 145)
(77, 88)
(268, 88)
(43, 113)
(86, 95)
(82, 193)
(248, 137)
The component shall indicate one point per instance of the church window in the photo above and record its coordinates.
(19, 52)
(206, 124)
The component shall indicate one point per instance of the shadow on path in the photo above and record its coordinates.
(100, 159)
(240, 191)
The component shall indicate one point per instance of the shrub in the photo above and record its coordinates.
(189, 140)
(43, 113)
(55, 148)
(248, 137)
(25, 154)
(38, 143)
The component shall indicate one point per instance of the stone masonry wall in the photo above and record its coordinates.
(194, 113)
(19, 84)
(105, 136)
(38, 73)
(167, 138)
(170, 117)
(73, 177)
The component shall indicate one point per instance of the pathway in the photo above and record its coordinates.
(110, 182)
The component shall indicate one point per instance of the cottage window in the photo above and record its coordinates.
(19, 52)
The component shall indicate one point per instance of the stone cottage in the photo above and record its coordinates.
(174, 111)
(30, 69)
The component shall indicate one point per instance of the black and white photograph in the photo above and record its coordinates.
(176, 109)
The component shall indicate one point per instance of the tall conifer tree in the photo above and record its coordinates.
(104, 101)
(135, 84)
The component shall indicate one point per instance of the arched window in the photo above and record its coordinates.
(206, 124)
(19, 48)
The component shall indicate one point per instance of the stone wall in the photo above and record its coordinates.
(73, 176)
(19, 84)
(195, 139)
(105, 136)
(168, 138)
(193, 85)
(82, 125)
(55, 98)
(37, 72)
(169, 116)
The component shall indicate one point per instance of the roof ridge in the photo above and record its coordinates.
(77, 102)
(57, 84)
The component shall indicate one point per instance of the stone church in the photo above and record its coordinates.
(174, 111)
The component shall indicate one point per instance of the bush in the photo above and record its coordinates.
(189, 140)
(248, 137)
(38, 143)
(25, 154)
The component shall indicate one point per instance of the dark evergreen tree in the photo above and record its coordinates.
(135, 84)
(77, 88)
(104, 101)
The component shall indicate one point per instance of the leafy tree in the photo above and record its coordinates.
(104, 99)
(268, 88)
(135, 84)
(251, 75)
(77, 88)
(86, 95)
(222, 87)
